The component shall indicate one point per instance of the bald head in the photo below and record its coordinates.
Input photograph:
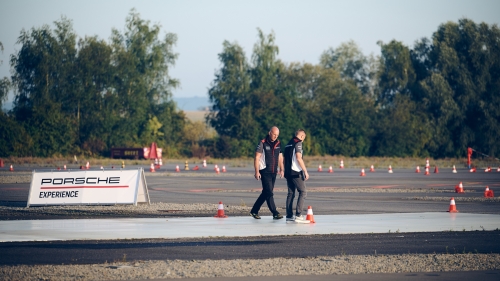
(274, 132)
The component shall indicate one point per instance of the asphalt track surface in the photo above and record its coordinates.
(238, 187)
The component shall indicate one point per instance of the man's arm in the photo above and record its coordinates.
(280, 164)
(302, 165)
(256, 165)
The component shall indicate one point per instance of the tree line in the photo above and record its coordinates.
(86, 96)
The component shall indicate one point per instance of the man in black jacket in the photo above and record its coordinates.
(296, 175)
(267, 159)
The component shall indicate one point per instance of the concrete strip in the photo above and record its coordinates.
(139, 228)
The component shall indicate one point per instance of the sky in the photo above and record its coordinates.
(303, 29)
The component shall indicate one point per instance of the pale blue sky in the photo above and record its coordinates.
(304, 29)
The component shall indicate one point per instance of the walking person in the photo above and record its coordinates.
(296, 175)
(267, 159)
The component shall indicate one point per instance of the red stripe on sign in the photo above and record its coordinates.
(84, 186)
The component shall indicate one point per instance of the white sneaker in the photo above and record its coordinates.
(301, 219)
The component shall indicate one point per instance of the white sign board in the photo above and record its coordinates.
(85, 187)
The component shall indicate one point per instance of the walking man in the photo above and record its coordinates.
(267, 159)
(296, 175)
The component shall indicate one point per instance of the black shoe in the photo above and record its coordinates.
(255, 216)
(278, 216)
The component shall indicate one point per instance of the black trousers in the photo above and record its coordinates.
(267, 180)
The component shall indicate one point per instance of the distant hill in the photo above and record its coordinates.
(195, 103)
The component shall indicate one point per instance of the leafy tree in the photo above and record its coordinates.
(352, 64)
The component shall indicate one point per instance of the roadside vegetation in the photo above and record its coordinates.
(85, 95)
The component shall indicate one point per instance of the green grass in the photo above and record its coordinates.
(311, 161)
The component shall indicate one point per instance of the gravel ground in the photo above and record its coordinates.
(347, 264)
(156, 209)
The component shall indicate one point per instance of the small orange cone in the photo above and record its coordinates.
(459, 188)
(426, 171)
(11, 168)
(223, 169)
(417, 170)
(58, 168)
(320, 169)
(217, 171)
(177, 169)
(102, 168)
(152, 168)
(220, 211)
(390, 170)
(64, 167)
(362, 173)
(427, 163)
(498, 170)
(341, 164)
(1, 163)
(372, 169)
(454, 170)
(81, 168)
(453, 207)
(216, 167)
(310, 216)
(204, 163)
(87, 166)
(487, 170)
(196, 168)
(330, 169)
(488, 192)
(472, 170)
(436, 170)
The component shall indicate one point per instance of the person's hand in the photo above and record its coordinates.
(282, 173)
(306, 175)
(257, 175)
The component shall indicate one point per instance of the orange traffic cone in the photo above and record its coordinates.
(362, 173)
(320, 169)
(372, 169)
(453, 208)
(58, 168)
(196, 168)
(177, 169)
(217, 171)
(488, 192)
(459, 188)
(220, 211)
(472, 170)
(64, 167)
(341, 164)
(426, 171)
(330, 169)
(204, 163)
(1, 163)
(152, 168)
(427, 163)
(310, 216)
(436, 170)
(81, 167)
(11, 168)
(487, 170)
(87, 166)
(498, 170)
(223, 169)
(390, 170)
(454, 170)
(417, 170)
(102, 168)
(216, 167)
